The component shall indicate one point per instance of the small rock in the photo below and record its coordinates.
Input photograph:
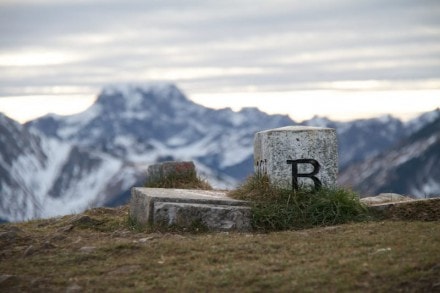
(29, 251)
(38, 281)
(120, 233)
(162, 260)
(48, 245)
(73, 288)
(57, 237)
(143, 240)
(381, 250)
(65, 229)
(84, 221)
(331, 228)
(149, 238)
(8, 236)
(87, 249)
(8, 280)
(78, 240)
(5, 277)
(385, 198)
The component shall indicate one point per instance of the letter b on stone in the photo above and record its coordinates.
(310, 175)
(297, 156)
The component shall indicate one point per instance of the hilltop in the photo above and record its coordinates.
(99, 251)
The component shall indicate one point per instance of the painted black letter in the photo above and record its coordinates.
(295, 174)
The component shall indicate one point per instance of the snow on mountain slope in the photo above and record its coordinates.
(144, 123)
(42, 177)
(411, 167)
(363, 138)
(84, 182)
(19, 147)
(141, 124)
(94, 157)
(424, 119)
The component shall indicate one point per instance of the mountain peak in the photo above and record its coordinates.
(113, 88)
(138, 96)
(417, 123)
(318, 121)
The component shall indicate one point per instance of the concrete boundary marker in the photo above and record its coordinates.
(181, 207)
(211, 208)
(295, 156)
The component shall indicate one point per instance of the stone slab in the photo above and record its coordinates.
(384, 206)
(385, 198)
(184, 207)
(275, 149)
(214, 217)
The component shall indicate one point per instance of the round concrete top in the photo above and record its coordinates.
(300, 128)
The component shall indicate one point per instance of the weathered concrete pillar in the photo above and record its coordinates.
(296, 156)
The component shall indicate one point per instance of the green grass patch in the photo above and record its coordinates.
(275, 209)
(183, 180)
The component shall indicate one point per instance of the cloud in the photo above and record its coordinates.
(219, 45)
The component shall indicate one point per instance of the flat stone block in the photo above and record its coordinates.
(385, 198)
(185, 208)
(215, 217)
(309, 153)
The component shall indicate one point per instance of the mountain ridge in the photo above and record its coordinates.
(46, 177)
(132, 126)
(410, 167)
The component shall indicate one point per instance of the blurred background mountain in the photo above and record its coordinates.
(62, 164)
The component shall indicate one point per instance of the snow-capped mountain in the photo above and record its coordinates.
(43, 177)
(363, 138)
(60, 164)
(421, 121)
(142, 124)
(411, 167)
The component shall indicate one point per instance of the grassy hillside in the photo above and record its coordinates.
(99, 251)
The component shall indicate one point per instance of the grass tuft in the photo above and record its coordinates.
(275, 209)
(184, 180)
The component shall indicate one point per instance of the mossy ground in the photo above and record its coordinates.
(100, 251)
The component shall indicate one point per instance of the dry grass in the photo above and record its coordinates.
(99, 251)
(184, 180)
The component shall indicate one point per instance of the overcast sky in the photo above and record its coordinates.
(289, 57)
